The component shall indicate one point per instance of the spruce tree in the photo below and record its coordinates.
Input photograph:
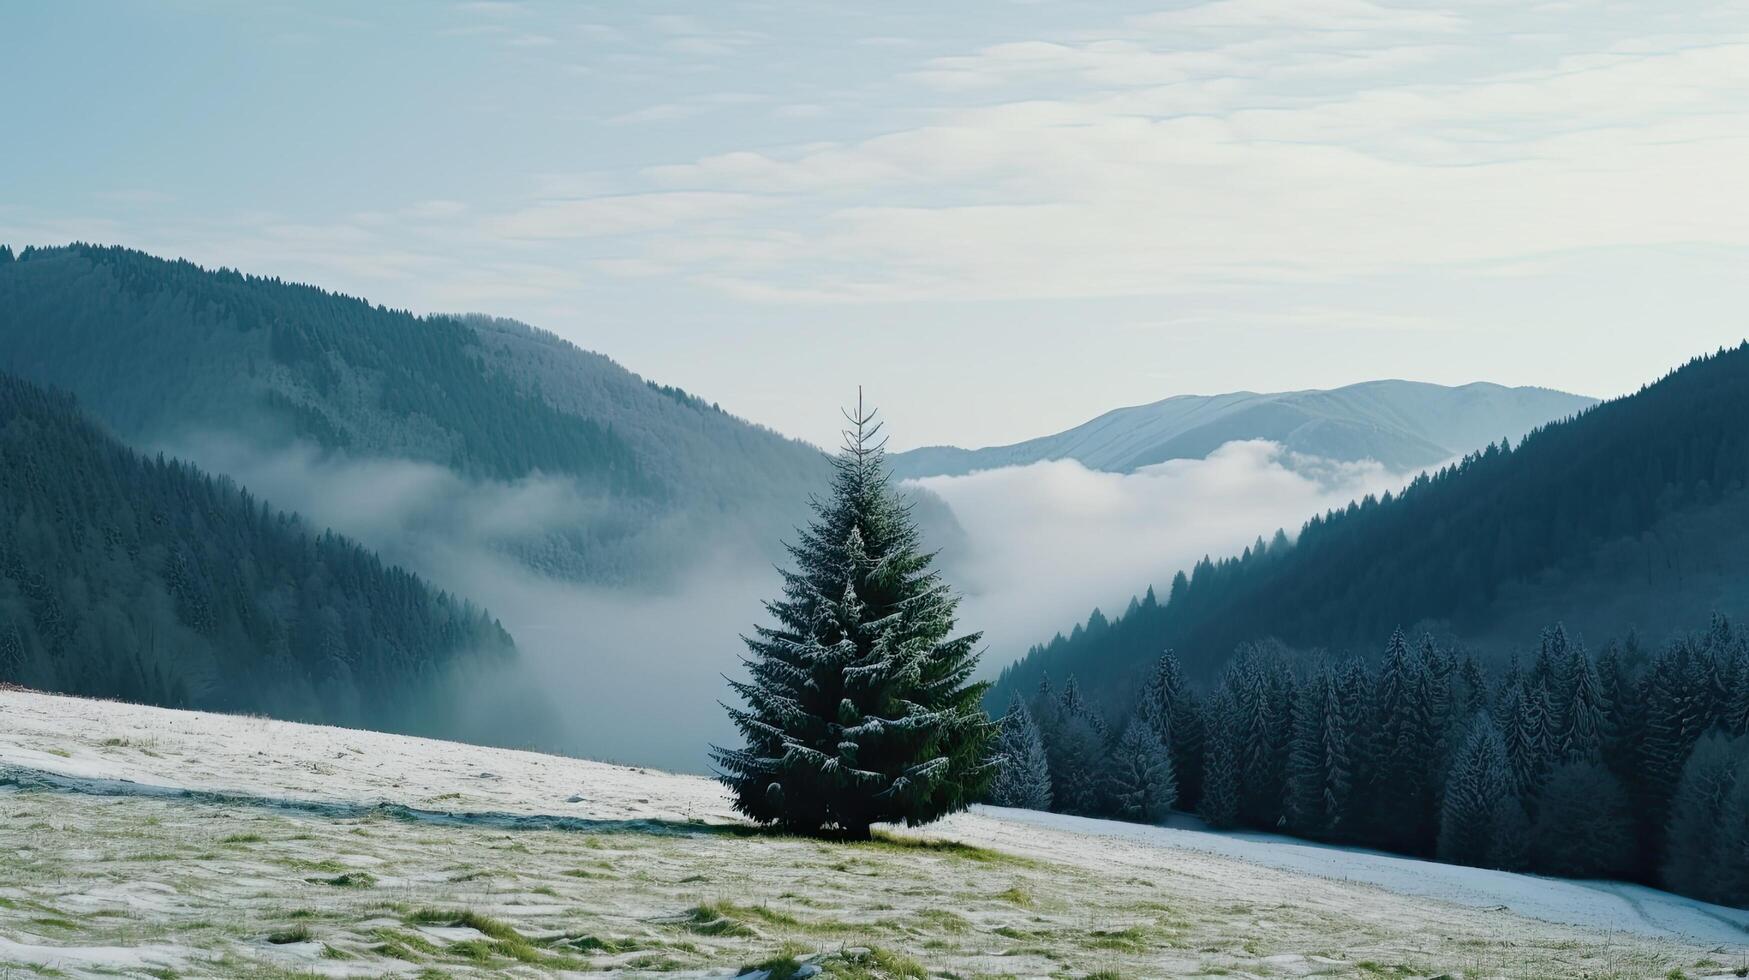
(1023, 777)
(858, 704)
(1583, 827)
(1172, 708)
(1403, 749)
(1076, 766)
(1220, 778)
(1320, 765)
(1693, 846)
(1581, 734)
(1477, 786)
(1139, 781)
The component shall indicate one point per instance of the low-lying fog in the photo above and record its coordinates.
(634, 673)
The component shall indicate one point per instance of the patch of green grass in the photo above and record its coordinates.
(782, 965)
(63, 753)
(1131, 939)
(716, 919)
(54, 922)
(404, 945)
(351, 879)
(295, 934)
(1015, 895)
(597, 944)
(873, 964)
(946, 921)
(886, 840)
(467, 919)
(243, 839)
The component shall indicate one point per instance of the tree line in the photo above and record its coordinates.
(148, 580)
(1625, 764)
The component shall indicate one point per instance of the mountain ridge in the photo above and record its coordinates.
(1402, 424)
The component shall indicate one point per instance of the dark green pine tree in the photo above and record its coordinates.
(1139, 780)
(1023, 777)
(1220, 778)
(858, 706)
(1172, 708)
(1319, 770)
(1477, 787)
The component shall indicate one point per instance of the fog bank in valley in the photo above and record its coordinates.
(1047, 543)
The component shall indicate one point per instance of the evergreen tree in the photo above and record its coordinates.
(1478, 784)
(1530, 748)
(1583, 828)
(1172, 708)
(1581, 733)
(1023, 777)
(1675, 718)
(1729, 881)
(1140, 783)
(1404, 750)
(1736, 719)
(858, 706)
(1076, 765)
(1320, 778)
(1695, 847)
(1220, 780)
(1472, 696)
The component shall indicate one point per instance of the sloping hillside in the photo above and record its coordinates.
(1402, 424)
(148, 579)
(208, 845)
(172, 355)
(1571, 525)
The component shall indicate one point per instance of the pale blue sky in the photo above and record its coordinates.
(1002, 218)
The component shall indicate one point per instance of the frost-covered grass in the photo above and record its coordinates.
(251, 848)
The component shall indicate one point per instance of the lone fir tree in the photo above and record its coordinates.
(858, 707)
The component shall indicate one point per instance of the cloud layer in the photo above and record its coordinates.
(1047, 543)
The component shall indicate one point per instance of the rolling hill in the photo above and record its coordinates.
(173, 356)
(1630, 515)
(126, 576)
(1405, 425)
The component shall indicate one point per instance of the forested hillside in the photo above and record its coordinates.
(1402, 424)
(1587, 501)
(1626, 764)
(146, 579)
(170, 354)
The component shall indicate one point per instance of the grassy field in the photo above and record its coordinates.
(163, 875)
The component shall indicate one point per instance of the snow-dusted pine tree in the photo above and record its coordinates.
(1475, 791)
(1139, 779)
(1172, 708)
(858, 706)
(1023, 778)
(1220, 778)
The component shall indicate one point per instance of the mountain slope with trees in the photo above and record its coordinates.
(1627, 764)
(146, 579)
(1402, 424)
(1573, 524)
(167, 353)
